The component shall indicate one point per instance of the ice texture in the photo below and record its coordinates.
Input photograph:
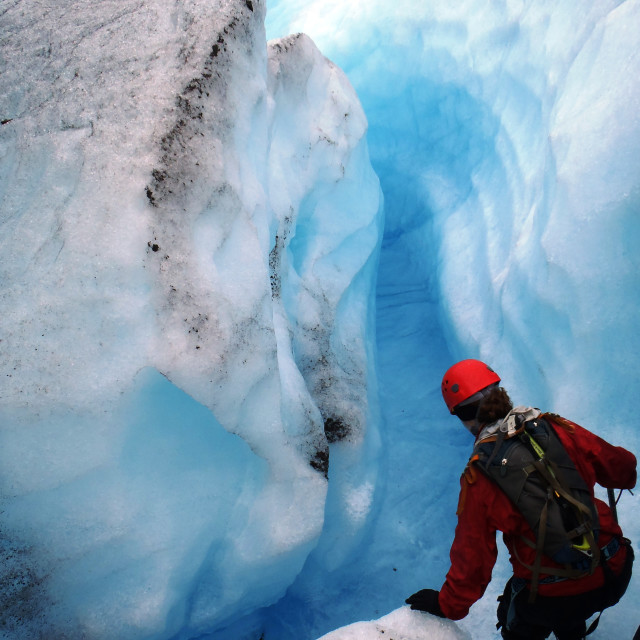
(401, 624)
(220, 413)
(190, 230)
(507, 140)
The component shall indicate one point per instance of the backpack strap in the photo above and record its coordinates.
(542, 530)
(550, 472)
(500, 437)
(537, 569)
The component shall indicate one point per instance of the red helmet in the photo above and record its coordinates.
(464, 379)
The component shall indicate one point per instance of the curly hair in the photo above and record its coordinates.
(495, 406)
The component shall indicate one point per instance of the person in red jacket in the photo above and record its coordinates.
(535, 603)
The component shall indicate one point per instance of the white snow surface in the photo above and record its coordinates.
(220, 413)
(401, 624)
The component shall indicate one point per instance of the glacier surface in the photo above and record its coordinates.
(401, 624)
(220, 411)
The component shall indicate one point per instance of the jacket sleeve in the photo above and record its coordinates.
(614, 467)
(473, 553)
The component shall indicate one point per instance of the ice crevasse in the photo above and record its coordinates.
(506, 139)
(192, 346)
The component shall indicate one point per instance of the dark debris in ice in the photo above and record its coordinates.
(200, 115)
(275, 257)
(23, 596)
(336, 430)
(320, 461)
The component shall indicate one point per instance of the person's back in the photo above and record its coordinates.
(556, 603)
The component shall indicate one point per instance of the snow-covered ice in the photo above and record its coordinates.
(401, 624)
(189, 242)
(220, 412)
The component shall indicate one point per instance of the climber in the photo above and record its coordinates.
(553, 588)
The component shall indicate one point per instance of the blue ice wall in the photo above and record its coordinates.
(158, 473)
(189, 420)
(498, 133)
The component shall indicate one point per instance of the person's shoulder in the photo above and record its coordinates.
(569, 432)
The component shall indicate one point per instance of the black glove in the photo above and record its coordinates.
(426, 600)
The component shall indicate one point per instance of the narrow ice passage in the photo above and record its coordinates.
(505, 142)
(406, 548)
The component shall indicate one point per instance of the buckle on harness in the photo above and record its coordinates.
(610, 549)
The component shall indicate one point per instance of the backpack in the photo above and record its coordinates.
(536, 473)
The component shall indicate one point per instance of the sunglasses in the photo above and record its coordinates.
(467, 412)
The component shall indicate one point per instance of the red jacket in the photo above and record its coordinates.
(485, 509)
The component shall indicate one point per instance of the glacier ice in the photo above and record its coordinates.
(191, 236)
(401, 624)
(506, 140)
(190, 226)
(492, 128)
